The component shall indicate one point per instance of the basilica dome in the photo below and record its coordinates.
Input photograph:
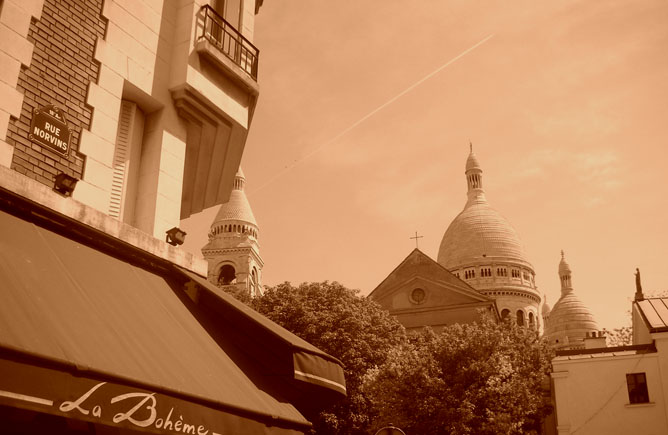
(479, 232)
(481, 248)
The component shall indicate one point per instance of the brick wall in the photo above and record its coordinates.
(61, 68)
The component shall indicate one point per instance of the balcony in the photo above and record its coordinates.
(215, 94)
(228, 41)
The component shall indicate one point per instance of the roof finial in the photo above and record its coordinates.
(416, 239)
(562, 254)
(639, 296)
(471, 145)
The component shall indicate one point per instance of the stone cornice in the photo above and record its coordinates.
(100, 226)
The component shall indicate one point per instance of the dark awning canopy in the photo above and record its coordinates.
(312, 370)
(75, 320)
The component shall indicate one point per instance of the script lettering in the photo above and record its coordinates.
(128, 415)
(68, 406)
(142, 411)
(168, 423)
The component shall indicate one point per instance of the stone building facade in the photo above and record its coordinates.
(119, 118)
(157, 97)
(60, 69)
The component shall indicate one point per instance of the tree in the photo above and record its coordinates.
(240, 294)
(351, 328)
(481, 378)
(619, 336)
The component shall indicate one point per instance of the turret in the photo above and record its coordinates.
(233, 251)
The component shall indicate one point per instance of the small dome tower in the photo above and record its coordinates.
(570, 321)
(545, 311)
(233, 252)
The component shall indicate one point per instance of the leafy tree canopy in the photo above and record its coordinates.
(351, 328)
(481, 378)
(619, 336)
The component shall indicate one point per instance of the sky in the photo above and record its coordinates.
(366, 110)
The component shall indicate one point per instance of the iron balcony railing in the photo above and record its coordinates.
(229, 41)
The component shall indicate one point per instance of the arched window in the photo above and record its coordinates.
(520, 317)
(532, 322)
(505, 313)
(227, 275)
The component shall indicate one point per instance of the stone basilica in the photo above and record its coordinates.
(481, 264)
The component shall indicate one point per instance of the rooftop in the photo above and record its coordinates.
(655, 313)
(602, 352)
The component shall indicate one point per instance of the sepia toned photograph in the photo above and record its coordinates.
(357, 217)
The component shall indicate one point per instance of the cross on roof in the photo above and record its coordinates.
(416, 239)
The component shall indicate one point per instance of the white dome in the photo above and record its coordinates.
(569, 322)
(570, 319)
(237, 208)
(483, 249)
(546, 308)
(472, 162)
(479, 233)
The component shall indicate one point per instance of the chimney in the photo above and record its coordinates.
(595, 340)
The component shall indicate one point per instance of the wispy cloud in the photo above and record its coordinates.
(595, 172)
(599, 168)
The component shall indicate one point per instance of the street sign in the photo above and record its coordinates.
(49, 129)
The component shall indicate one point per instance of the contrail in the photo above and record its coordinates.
(373, 112)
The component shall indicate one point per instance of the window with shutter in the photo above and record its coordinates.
(127, 155)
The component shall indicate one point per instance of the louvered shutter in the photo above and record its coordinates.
(126, 161)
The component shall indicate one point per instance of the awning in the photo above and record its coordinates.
(88, 336)
(306, 363)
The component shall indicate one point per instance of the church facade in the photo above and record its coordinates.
(482, 253)
(421, 292)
